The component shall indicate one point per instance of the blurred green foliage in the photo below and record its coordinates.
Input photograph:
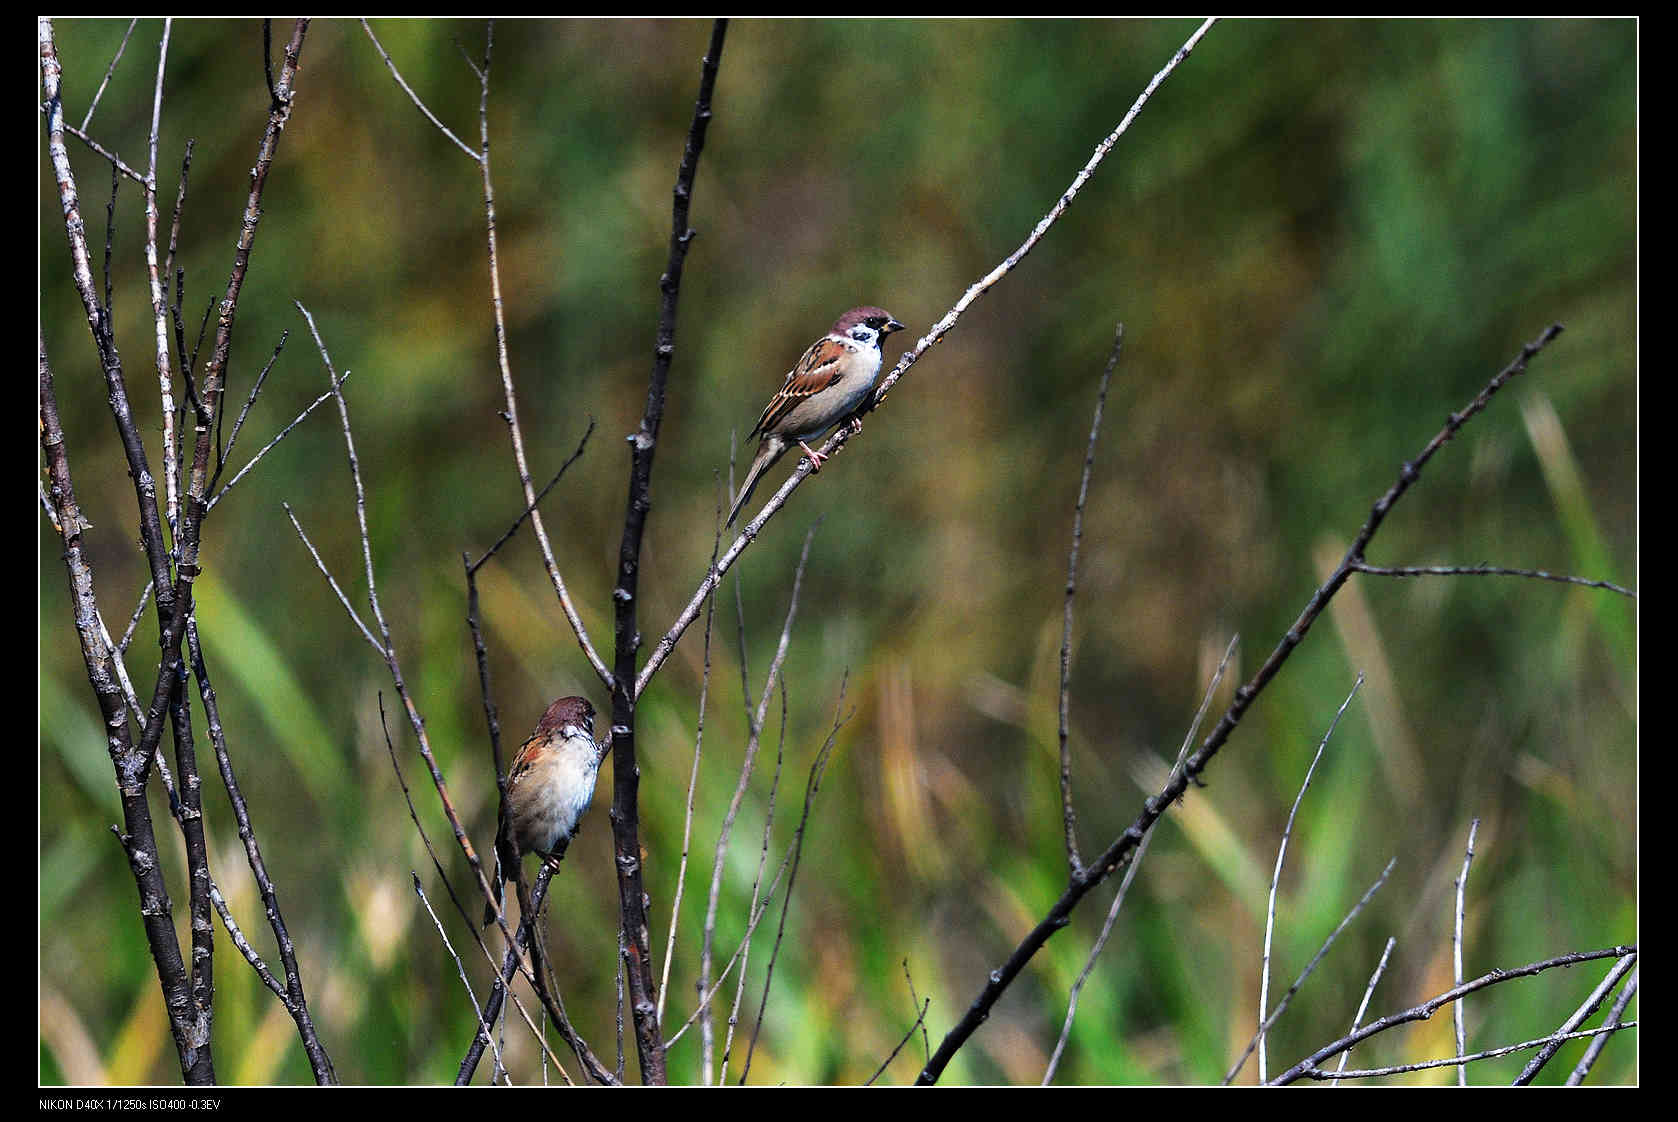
(1321, 237)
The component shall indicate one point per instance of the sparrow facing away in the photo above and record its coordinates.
(549, 787)
(834, 377)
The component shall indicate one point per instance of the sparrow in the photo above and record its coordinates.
(549, 787)
(832, 379)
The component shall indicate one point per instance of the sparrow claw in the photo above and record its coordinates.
(816, 458)
(856, 426)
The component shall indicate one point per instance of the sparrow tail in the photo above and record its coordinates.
(768, 452)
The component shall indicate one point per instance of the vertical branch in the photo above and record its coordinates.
(159, 303)
(1069, 817)
(632, 900)
(296, 1004)
(1276, 880)
(748, 760)
(693, 784)
(1456, 953)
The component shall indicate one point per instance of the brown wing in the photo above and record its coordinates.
(817, 370)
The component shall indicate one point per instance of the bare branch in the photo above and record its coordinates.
(466, 983)
(748, 760)
(109, 70)
(632, 900)
(291, 995)
(1487, 571)
(1368, 992)
(920, 1021)
(1069, 818)
(156, 282)
(693, 783)
(1456, 951)
(474, 155)
(818, 768)
(1276, 880)
(279, 436)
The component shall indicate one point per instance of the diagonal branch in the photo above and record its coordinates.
(632, 901)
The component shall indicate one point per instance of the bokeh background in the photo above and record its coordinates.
(1321, 238)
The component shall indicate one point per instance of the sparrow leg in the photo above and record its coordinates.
(816, 458)
(856, 426)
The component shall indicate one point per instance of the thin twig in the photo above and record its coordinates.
(291, 995)
(474, 566)
(279, 436)
(705, 996)
(1487, 571)
(757, 882)
(474, 155)
(818, 768)
(693, 781)
(915, 999)
(1368, 992)
(393, 664)
(332, 581)
(1456, 952)
(157, 283)
(466, 983)
(920, 1022)
(748, 759)
(1276, 880)
(105, 154)
(1069, 818)
(493, 1012)
(109, 70)
(250, 400)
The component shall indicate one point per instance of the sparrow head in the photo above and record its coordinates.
(868, 325)
(568, 716)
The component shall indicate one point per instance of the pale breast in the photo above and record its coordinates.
(815, 415)
(552, 797)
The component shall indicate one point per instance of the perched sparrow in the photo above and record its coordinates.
(833, 378)
(549, 788)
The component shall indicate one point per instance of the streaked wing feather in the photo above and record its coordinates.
(818, 369)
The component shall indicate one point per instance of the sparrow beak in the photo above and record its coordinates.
(891, 325)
